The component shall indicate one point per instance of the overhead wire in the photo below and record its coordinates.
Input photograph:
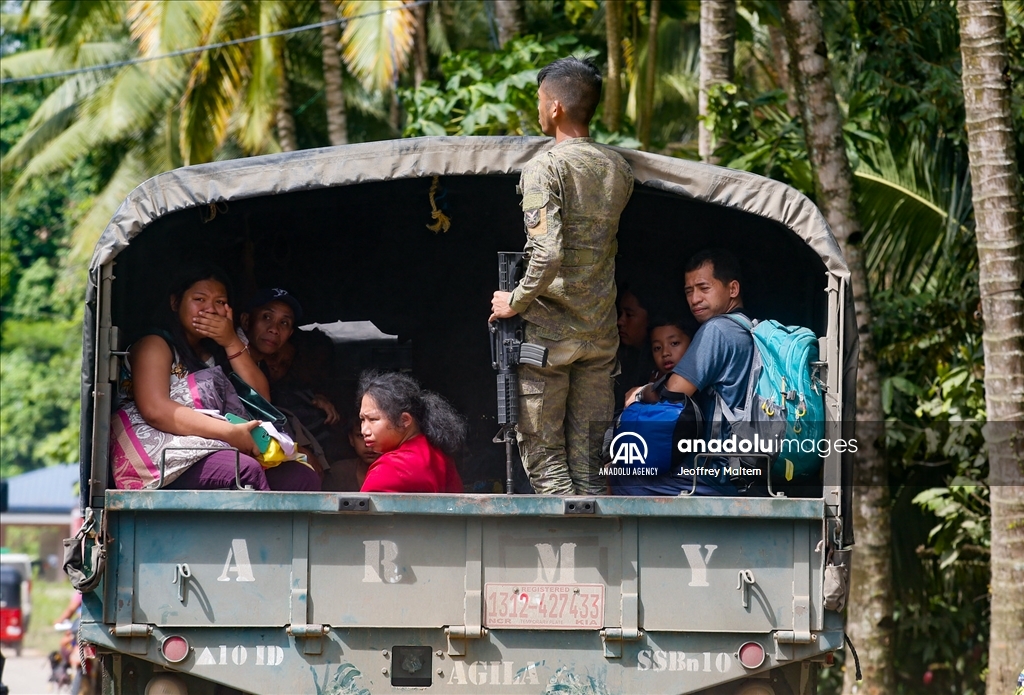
(201, 49)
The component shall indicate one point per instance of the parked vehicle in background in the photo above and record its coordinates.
(349, 593)
(12, 618)
(23, 563)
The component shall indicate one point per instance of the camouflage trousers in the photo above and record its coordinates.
(557, 405)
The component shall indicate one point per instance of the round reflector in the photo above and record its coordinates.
(174, 648)
(751, 655)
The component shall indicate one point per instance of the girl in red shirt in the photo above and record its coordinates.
(416, 432)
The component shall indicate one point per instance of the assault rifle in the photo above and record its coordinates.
(507, 351)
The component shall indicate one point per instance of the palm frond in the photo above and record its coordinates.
(120, 109)
(15, 19)
(376, 47)
(101, 52)
(145, 20)
(44, 60)
(682, 72)
(76, 141)
(69, 94)
(159, 147)
(161, 26)
(131, 171)
(437, 36)
(915, 219)
(71, 23)
(1014, 12)
(35, 62)
(33, 12)
(36, 138)
(54, 114)
(366, 102)
(253, 121)
(131, 102)
(213, 84)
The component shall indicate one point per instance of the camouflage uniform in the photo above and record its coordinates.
(573, 195)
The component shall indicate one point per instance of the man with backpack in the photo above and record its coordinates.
(718, 360)
(757, 384)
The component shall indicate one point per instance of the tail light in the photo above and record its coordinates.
(10, 625)
(174, 648)
(751, 654)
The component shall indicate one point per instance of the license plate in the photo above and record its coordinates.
(545, 606)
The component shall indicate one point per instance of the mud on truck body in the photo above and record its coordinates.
(336, 593)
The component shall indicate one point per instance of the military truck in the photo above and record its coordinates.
(205, 592)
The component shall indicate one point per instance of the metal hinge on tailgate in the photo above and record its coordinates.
(473, 629)
(458, 633)
(801, 632)
(629, 630)
(311, 636)
(613, 637)
(138, 634)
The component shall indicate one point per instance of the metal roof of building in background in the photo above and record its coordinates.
(50, 490)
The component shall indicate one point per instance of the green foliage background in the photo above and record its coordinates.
(896, 67)
(40, 312)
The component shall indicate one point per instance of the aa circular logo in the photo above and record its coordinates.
(629, 449)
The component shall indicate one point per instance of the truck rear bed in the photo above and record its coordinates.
(286, 593)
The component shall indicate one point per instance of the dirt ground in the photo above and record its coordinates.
(28, 674)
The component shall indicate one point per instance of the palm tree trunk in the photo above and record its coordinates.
(780, 55)
(869, 617)
(285, 118)
(337, 118)
(613, 85)
(510, 16)
(998, 225)
(717, 48)
(647, 109)
(420, 64)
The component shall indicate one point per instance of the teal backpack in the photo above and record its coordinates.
(785, 398)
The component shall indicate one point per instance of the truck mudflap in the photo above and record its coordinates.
(286, 593)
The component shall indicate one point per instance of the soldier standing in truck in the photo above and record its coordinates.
(573, 195)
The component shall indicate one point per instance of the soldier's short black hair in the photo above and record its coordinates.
(725, 266)
(576, 83)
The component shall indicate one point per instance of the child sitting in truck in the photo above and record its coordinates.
(416, 432)
(669, 341)
(659, 425)
(348, 474)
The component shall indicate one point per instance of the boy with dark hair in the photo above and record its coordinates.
(669, 341)
(573, 195)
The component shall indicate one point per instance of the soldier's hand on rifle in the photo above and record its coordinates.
(500, 308)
